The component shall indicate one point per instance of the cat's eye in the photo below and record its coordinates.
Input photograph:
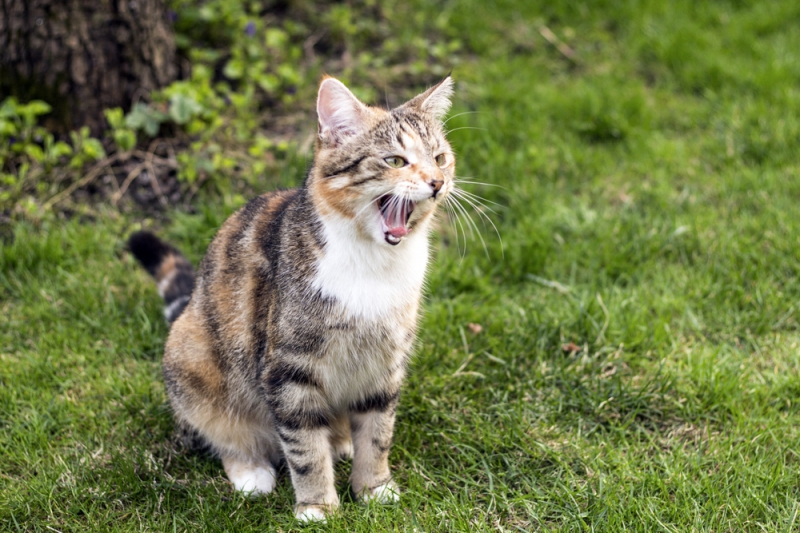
(396, 161)
(441, 159)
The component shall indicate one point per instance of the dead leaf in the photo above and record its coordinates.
(475, 328)
(570, 347)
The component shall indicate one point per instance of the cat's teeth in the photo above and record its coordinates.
(391, 239)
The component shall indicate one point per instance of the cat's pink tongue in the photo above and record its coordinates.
(399, 231)
(395, 217)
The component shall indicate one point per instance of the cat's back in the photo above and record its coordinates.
(248, 236)
(236, 279)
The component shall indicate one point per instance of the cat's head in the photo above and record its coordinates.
(385, 171)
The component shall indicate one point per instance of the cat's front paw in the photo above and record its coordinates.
(384, 493)
(313, 513)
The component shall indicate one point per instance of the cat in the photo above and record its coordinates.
(292, 339)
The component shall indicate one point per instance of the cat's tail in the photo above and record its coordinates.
(173, 273)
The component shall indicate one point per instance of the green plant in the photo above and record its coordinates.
(124, 137)
(29, 153)
(251, 63)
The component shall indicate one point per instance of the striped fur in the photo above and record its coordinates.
(294, 343)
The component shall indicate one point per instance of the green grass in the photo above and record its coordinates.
(648, 210)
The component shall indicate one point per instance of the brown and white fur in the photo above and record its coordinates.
(292, 342)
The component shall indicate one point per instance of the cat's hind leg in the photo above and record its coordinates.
(251, 478)
(210, 402)
(341, 441)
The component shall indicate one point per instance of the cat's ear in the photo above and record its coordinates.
(340, 113)
(436, 100)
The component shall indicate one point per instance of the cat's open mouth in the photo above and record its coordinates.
(395, 212)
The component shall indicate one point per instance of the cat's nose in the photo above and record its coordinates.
(436, 185)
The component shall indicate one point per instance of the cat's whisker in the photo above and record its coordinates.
(459, 226)
(461, 180)
(480, 199)
(448, 132)
(475, 203)
(459, 210)
(470, 219)
(366, 207)
(454, 216)
(460, 114)
(473, 227)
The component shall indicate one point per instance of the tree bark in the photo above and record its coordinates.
(83, 56)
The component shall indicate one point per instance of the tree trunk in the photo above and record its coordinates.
(83, 56)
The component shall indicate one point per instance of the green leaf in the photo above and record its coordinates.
(234, 69)
(35, 108)
(268, 82)
(152, 126)
(7, 128)
(276, 38)
(60, 149)
(34, 152)
(137, 118)
(196, 126)
(115, 117)
(183, 108)
(206, 13)
(93, 149)
(125, 139)
(289, 73)
(8, 108)
(143, 117)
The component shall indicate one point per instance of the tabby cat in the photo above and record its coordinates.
(291, 341)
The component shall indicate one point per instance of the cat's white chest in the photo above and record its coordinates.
(370, 281)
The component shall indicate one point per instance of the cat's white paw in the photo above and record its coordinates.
(311, 513)
(252, 480)
(386, 493)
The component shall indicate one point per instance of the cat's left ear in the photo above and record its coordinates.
(436, 100)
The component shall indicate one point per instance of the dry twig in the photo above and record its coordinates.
(562, 47)
(128, 179)
(88, 178)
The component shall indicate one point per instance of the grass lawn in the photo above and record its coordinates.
(638, 364)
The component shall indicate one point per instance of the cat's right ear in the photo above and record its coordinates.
(341, 114)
